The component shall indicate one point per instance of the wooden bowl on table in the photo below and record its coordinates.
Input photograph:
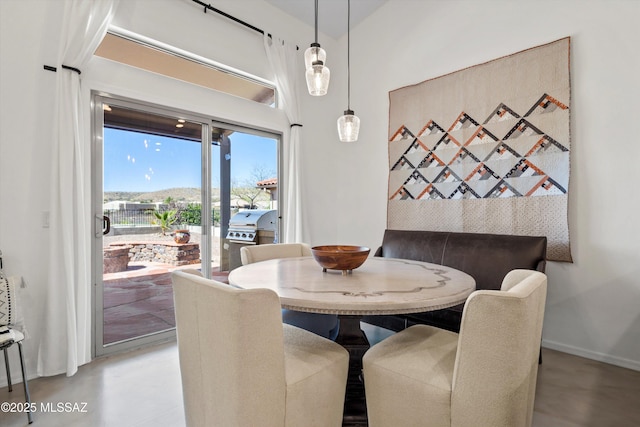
(340, 257)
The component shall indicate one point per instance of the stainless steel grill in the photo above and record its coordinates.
(246, 226)
(251, 227)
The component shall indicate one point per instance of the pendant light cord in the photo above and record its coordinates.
(348, 54)
(316, 21)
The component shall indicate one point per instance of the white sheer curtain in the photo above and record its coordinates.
(66, 341)
(283, 58)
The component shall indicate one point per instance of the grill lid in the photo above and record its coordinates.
(255, 218)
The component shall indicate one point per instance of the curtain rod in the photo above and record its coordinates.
(226, 15)
(66, 67)
(231, 17)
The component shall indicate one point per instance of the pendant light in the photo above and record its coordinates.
(317, 73)
(349, 123)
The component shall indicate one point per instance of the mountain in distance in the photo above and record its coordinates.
(176, 194)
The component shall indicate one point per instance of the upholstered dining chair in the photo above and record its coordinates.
(241, 366)
(255, 253)
(325, 325)
(10, 335)
(485, 376)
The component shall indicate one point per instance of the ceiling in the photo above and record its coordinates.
(332, 14)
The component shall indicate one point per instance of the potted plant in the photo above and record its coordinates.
(165, 220)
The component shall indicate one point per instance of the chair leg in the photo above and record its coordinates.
(6, 365)
(27, 396)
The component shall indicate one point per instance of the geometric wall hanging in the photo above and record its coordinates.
(485, 149)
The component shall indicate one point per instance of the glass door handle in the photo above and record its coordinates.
(105, 225)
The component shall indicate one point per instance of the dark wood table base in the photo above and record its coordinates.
(352, 338)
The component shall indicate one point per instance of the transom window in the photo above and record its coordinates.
(181, 65)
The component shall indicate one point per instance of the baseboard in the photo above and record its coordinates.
(600, 357)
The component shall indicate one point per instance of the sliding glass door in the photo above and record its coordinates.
(149, 166)
(166, 184)
(248, 179)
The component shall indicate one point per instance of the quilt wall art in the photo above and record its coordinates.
(486, 149)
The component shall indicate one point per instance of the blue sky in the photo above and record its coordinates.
(140, 162)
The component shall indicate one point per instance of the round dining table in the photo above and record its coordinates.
(379, 286)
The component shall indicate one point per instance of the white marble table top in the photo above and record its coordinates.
(379, 286)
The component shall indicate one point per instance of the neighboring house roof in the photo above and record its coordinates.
(268, 183)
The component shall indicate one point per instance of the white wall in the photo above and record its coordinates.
(592, 304)
(25, 131)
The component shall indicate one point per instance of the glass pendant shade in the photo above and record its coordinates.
(314, 53)
(318, 79)
(348, 127)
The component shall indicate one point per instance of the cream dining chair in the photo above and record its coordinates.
(485, 376)
(256, 253)
(241, 366)
(325, 325)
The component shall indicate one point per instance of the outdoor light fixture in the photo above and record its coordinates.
(317, 73)
(349, 123)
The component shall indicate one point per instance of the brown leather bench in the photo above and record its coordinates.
(485, 257)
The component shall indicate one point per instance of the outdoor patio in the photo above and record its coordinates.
(139, 301)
